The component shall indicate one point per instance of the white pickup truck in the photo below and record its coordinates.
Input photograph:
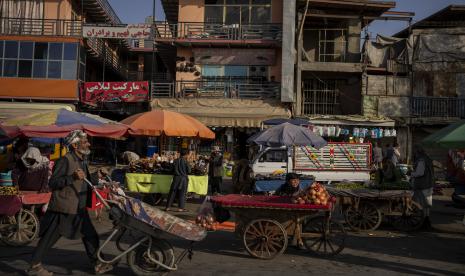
(334, 162)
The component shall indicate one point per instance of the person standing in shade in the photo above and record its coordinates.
(423, 182)
(67, 214)
(215, 171)
(377, 155)
(180, 181)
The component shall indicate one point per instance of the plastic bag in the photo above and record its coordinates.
(205, 215)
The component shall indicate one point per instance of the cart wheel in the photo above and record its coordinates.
(322, 238)
(411, 220)
(24, 228)
(264, 238)
(140, 263)
(367, 218)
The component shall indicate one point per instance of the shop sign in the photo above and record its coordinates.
(132, 31)
(94, 92)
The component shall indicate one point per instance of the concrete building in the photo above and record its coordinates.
(228, 65)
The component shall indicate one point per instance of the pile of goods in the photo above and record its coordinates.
(151, 166)
(315, 194)
(199, 166)
(206, 221)
(349, 186)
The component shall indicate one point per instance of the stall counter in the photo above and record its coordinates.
(160, 183)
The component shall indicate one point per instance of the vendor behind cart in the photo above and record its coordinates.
(67, 215)
(291, 187)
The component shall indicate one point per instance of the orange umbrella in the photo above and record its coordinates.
(162, 122)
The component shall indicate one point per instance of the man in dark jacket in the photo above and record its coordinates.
(67, 215)
(180, 181)
(291, 187)
(216, 171)
(423, 182)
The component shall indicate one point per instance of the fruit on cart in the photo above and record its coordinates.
(315, 194)
(207, 221)
(348, 186)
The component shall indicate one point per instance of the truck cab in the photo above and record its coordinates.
(334, 162)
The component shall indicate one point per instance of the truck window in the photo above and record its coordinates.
(274, 156)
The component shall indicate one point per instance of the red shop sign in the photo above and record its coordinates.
(95, 92)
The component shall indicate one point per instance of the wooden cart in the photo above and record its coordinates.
(364, 209)
(265, 224)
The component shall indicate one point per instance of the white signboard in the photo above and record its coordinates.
(131, 31)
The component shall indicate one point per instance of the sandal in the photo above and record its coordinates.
(38, 270)
(102, 268)
(182, 210)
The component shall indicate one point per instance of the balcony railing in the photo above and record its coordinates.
(100, 50)
(217, 31)
(52, 27)
(438, 107)
(216, 89)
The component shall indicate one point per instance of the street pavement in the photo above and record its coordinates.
(381, 252)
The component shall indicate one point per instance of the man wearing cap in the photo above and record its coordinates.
(67, 215)
(291, 187)
(215, 170)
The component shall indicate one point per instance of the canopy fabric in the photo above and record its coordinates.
(225, 112)
(452, 137)
(162, 122)
(288, 135)
(59, 123)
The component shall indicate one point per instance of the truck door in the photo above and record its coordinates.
(272, 161)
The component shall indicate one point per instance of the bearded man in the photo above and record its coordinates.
(67, 214)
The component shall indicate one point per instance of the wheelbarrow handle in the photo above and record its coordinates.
(97, 193)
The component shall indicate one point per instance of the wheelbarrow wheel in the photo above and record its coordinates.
(366, 218)
(264, 238)
(323, 237)
(410, 220)
(140, 263)
(23, 228)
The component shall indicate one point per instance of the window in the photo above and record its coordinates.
(11, 49)
(28, 59)
(321, 96)
(274, 156)
(41, 50)
(25, 50)
(230, 12)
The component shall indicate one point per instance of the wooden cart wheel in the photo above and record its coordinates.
(323, 237)
(24, 228)
(366, 218)
(411, 219)
(264, 238)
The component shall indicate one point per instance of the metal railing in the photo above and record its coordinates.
(109, 11)
(320, 97)
(54, 27)
(216, 89)
(219, 31)
(100, 50)
(135, 75)
(438, 107)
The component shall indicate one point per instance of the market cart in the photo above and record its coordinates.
(19, 224)
(265, 223)
(364, 209)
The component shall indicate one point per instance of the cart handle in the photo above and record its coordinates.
(97, 193)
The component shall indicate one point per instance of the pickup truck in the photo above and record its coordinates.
(334, 162)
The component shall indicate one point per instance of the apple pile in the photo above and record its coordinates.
(206, 221)
(315, 194)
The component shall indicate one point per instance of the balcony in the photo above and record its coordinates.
(98, 49)
(40, 27)
(440, 107)
(246, 89)
(199, 33)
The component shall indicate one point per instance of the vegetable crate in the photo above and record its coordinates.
(266, 223)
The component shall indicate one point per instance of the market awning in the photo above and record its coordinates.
(351, 120)
(226, 112)
(10, 110)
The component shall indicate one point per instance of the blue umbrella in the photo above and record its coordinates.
(288, 135)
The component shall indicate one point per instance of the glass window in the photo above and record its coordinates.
(69, 70)
(25, 68)
(260, 15)
(11, 49)
(25, 49)
(1, 49)
(212, 71)
(10, 68)
(214, 14)
(235, 71)
(274, 156)
(261, 2)
(1, 67)
(40, 69)
(55, 51)
(237, 2)
(40, 50)
(233, 15)
(214, 2)
(54, 70)
(70, 51)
